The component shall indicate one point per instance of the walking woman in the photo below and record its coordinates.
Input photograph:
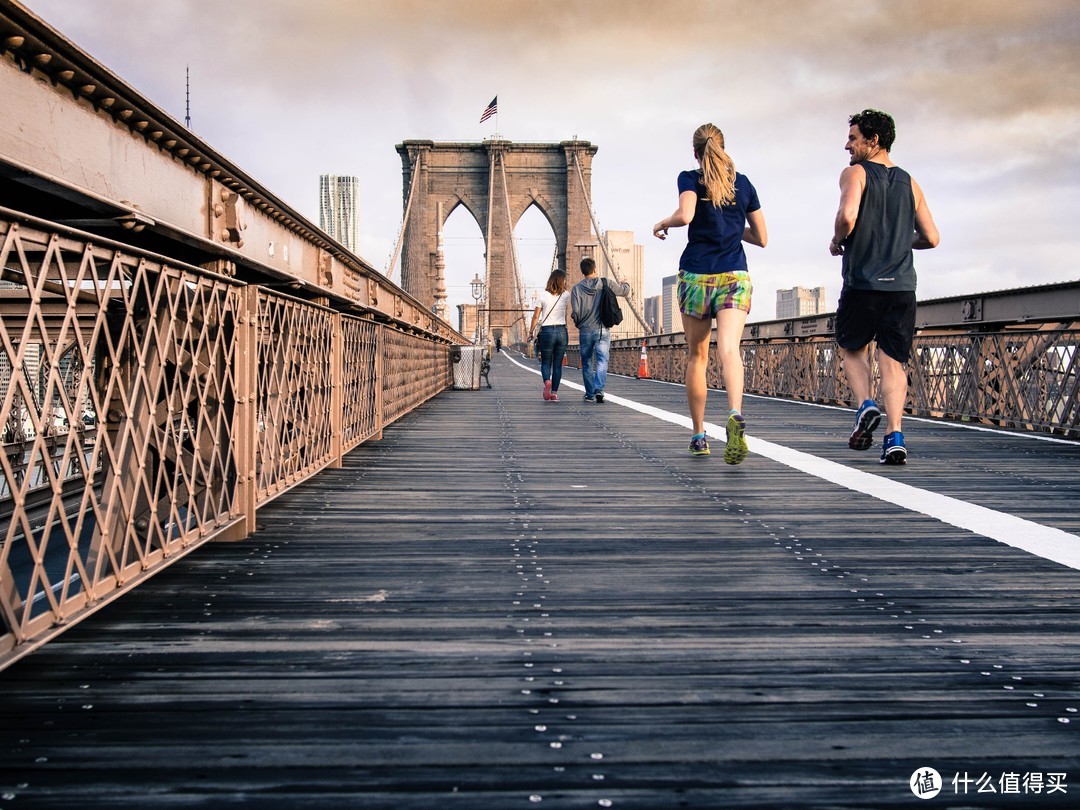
(722, 209)
(552, 338)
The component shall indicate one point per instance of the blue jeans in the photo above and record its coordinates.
(595, 348)
(553, 340)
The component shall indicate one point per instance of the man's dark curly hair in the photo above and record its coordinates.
(875, 122)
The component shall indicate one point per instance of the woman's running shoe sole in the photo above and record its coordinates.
(736, 449)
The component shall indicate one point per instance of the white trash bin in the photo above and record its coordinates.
(467, 360)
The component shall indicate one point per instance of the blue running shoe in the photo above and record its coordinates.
(867, 419)
(699, 445)
(894, 452)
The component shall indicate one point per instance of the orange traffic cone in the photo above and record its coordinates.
(643, 364)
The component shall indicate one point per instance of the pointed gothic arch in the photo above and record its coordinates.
(534, 224)
(497, 181)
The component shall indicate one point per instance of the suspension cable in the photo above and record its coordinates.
(519, 286)
(603, 246)
(404, 221)
(487, 246)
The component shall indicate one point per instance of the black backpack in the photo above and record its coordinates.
(610, 311)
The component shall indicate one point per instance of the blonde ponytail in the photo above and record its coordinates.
(717, 167)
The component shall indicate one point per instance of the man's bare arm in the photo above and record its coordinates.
(852, 183)
(926, 233)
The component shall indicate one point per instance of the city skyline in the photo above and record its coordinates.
(985, 94)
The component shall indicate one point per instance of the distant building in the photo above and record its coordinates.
(800, 301)
(670, 318)
(338, 209)
(469, 322)
(630, 266)
(652, 312)
(19, 413)
(32, 357)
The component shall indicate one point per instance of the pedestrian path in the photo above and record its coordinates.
(509, 603)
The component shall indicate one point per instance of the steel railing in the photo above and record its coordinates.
(1025, 378)
(148, 406)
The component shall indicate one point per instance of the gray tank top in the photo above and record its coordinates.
(877, 253)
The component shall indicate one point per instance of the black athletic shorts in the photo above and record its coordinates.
(887, 317)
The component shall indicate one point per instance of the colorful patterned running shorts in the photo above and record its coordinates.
(702, 295)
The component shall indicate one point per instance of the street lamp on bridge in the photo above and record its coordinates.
(477, 286)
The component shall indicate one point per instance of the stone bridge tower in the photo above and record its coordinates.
(497, 181)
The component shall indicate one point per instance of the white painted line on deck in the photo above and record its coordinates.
(1043, 541)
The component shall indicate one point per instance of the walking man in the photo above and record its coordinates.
(883, 216)
(594, 339)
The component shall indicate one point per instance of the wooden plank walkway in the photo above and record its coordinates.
(510, 603)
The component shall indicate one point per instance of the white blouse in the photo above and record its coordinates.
(552, 309)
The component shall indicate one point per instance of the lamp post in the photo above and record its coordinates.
(477, 286)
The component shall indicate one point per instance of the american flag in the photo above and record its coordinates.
(491, 109)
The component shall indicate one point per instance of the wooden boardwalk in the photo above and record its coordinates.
(507, 603)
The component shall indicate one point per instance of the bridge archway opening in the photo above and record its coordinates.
(537, 251)
(463, 254)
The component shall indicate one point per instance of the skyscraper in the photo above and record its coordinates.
(652, 313)
(799, 301)
(338, 210)
(670, 317)
(630, 261)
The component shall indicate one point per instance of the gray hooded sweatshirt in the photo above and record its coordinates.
(585, 301)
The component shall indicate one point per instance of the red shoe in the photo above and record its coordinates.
(554, 397)
(547, 390)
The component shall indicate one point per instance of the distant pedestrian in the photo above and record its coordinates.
(722, 209)
(883, 216)
(594, 339)
(498, 345)
(552, 337)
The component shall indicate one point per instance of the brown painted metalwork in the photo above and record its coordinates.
(149, 406)
(413, 370)
(156, 386)
(1025, 378)
(1022, 379)
(295, 383)
(361, 401)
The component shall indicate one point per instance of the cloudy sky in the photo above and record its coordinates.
(986, 94)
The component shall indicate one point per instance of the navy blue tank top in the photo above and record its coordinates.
(877, 253)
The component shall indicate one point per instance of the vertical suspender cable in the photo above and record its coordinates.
(404, 220)
(607, 253)
(487, 246)
(519, 285)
